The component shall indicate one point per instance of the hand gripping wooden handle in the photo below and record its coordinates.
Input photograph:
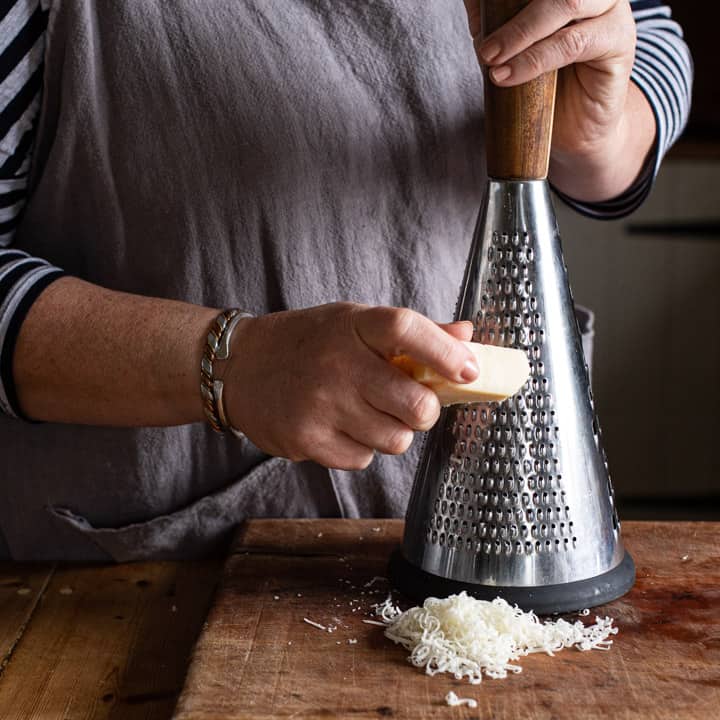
(518, 120)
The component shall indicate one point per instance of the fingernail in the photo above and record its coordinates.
(489, 50)
(501, 73)
(470, 370)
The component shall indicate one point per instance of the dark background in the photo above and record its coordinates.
(701, 25)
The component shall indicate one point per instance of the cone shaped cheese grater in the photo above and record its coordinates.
(514, 499)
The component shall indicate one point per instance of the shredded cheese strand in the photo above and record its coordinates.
(470, 638)
(315, 624)
(453, 700)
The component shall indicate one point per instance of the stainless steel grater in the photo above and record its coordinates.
(514, 499)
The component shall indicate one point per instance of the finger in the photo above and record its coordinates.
(583, 42)
(460, 329)
(374, 429)
(535, 22)
(341, 452)
(396, 331)
(390, 391)
(472, 8)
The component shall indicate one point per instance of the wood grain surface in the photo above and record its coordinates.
(518, 120)
(99, 642)
(21, 589)
(257, 658)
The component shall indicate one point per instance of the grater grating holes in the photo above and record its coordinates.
(512, 445)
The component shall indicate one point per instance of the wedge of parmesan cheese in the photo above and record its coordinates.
(503, 371)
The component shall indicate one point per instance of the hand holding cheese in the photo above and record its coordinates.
(316, 384)
(503, 371)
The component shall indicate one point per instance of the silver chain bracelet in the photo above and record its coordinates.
(217, 347)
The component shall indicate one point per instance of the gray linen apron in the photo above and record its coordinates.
(268, 154)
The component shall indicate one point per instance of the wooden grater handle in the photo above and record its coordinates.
(518, 120)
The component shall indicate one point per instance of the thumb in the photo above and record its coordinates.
(462, 329)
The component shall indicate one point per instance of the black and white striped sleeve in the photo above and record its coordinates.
(22, 277)
(663, 71)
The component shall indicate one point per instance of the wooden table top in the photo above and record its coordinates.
(115, 641)
(99, 642)
(258, 658)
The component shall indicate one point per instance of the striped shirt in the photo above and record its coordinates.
(662, 70)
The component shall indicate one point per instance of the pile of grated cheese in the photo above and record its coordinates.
(469, 637)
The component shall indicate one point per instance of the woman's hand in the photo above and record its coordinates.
(604, 126)
(315, 384)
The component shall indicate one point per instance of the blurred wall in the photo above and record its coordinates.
(653, 281)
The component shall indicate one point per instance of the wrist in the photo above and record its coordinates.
(602, 168)
(177, 376)
(217, 353)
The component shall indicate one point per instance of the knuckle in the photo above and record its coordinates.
(424, 410)
(572, 7)
(359, 461)
(305, 443)
(330, 364)
(372, 313)
(313, 398)
(573, 42)
(298, 453)
(399, 442)
(523, 33)
(448, 352)
(627, 35)
(402, 322)
(319, 394)
(341, 459)
(534, 61)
